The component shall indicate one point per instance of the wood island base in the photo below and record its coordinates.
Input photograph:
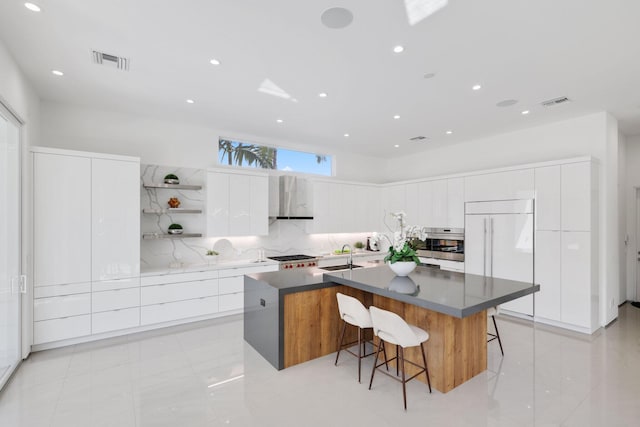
(456, 349)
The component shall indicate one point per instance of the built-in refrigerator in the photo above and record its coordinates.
(499, 242)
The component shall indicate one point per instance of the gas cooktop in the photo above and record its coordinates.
(287, 258)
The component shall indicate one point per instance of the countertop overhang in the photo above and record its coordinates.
(452, 293)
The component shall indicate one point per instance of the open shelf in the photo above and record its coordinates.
(174, 186)
(154, 236)
(171, 211)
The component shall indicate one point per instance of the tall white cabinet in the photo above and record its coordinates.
(86, 242)
(566, 256)
(237, 203)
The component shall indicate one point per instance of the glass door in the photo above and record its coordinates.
(11, 282)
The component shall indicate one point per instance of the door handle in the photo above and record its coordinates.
(23, 284)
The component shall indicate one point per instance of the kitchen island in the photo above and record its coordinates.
(292, 317)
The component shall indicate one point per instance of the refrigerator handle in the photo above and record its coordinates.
(484, 249)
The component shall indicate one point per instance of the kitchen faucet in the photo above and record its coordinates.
(350, 263)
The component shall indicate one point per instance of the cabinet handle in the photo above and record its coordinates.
(491, 227)
(484, 249)
(23, 284)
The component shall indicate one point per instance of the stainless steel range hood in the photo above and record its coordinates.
(290, 197)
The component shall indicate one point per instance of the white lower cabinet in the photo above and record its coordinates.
(576, 279)
(230, 302)
(115, 320)
(61, 306)
(114, 300)
(548, 302)
(167, 312)
(171, 292)
(61, 329)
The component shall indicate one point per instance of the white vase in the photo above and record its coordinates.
(402, 268)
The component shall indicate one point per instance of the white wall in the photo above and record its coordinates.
(632, 184)
(622, 217)
(166, 143)
(17, 95)
(593, 135)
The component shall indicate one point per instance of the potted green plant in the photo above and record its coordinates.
(211, 256)
(171, 179)
(358, 245)
(175, 229)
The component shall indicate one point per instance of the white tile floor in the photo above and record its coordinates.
(176, 377)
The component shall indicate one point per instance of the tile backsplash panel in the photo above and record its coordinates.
(285, 236)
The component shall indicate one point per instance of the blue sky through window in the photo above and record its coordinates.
(243, 154)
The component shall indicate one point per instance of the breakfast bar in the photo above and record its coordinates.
(292, 317)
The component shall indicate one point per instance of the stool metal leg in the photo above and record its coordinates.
(397, 364)
(375, 362)
(344, 329)
(495, 325)
(359, 352)
(426, 369)
(404, 382)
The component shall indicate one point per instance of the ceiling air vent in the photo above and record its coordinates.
(556, 101)
(114, 61)
(417, 138)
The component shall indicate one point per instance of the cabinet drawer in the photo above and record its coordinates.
(65, 306)
(178, 292)
(178, 310)
(231, 302)
(178, 277)
(61, 290)
(230, 285)
(108, 285)
(241, 271)
(113, 300)
(61, 329)
(115, 320)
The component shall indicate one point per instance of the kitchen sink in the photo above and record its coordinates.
(340, 267)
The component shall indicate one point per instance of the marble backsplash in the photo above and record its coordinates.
(285, 237)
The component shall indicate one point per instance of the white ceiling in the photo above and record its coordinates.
(520, 49)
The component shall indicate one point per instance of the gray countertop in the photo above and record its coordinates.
(456, 294)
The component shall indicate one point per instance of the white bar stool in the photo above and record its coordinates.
(352, 312)
(492, 312)
(391, 328)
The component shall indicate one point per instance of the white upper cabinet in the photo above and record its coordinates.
(321, 209)
(548, 197)
(411, 204)
(576, 190)
(509, 185)
(237, 204)
(115, 205)
(62, 219)
(455, 203)
(425, 203)
(217, 204)
(439, 205)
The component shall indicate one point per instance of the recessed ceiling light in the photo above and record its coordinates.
(190, 101)
(279, 120)
(57, 73)
(476, 87)
(346, 135)
(322, 94)
(397, 145)
(214, 62)
(398, 49)
(449, 132)
(429, 75)
(396, 117)
(525, 112)
(32, 7)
